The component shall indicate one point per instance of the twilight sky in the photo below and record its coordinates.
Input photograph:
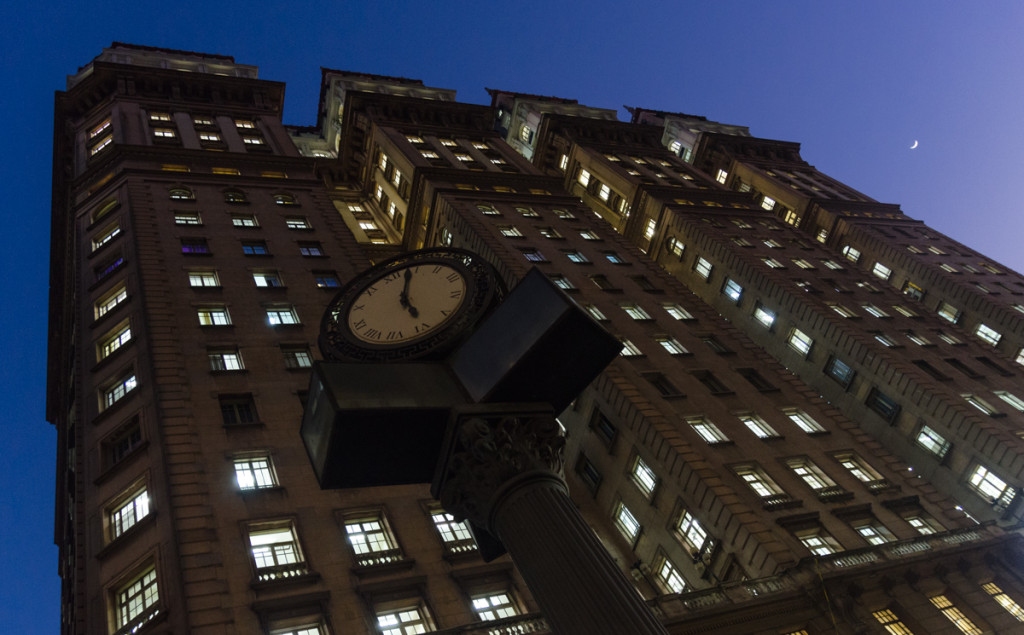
(856, 83)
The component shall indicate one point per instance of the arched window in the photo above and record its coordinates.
(285, 199)
(235, 196)
(105, 208)
(182, 194)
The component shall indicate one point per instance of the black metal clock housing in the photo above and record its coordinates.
(415, 306)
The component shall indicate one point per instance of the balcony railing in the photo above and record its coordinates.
(517, 625)
(460, 547)
(378, 558)
(282, 572)
(780, 501)
(140, 621)
(834, 494)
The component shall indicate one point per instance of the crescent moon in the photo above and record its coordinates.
(915, 144)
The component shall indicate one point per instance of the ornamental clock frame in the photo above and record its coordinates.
(416, 306)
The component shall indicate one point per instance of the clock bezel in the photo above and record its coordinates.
(483, 290)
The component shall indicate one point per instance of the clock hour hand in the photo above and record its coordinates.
(403, 297)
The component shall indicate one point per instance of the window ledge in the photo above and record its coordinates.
(103, 248)
(386, 568)
(106, 316)
(193, 254)
(257, 255)
(240, 371)
(106, 361)
(254, 492)
(292, 325)
(243, 426)
(114, 407)
(110, 470)
(308, 578)
(127, 536)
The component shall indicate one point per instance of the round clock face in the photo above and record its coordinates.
(415, 306)
(408, 303)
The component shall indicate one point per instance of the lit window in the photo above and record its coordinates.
(758, 426)
(677, 312)
(589, 235)
(526, 134)
(209, 137)
(832, 264)
(721, 176)
(225, 360)
(187, 218)
(948, 312)
(772, 244)
(669, 576)
(874, 532)
(118, 390)
(311, 249)
(885, 340)
(1004, 600)
(671, 345)
(853, 255)
(563, 162)
(194, 246)
(860, 469)
(867, 286)
(803, 264)
(732, 290)
(841, 310)
(988, 334)
(635, 312)
(1020, 357)
(254, 472)
(804, 421)
(904, 311)
(405, 620)
(137, 602)
(643, 476)
(629, 349)
(461, 156)
(121, 335)
(528, 212)
(275, 552)
(282, 315)
(128, 512)
(213, 316)
(534, 255)
(290, 627)
(244, 123)
(164, 133)
(703, 268)
(675, 246)
(297, 357)
(891, 623)
(584, 177)
(763, 315)
(840, 371)
(988, 484)
(371, 540)
(955, 615)
(627, 523)
(757, 480)
(510, 231)
(652, 226)
(594, 312)
(396, 178)
(549, 232)
(575, 256)
(229, 172)
(980, 404)
(108, 301)
(932, 441)
(296, 222)
(707, 431)
(203, 279)
(923, 526)
(800, 341)
(561, 282)
(613, 257)
(819, 542)
(874, 310)
(106, 235)
(455, 535)
(255, 248)
(448, 143)
(1015, 402)
(494, 606)
(605, 192)
(810, 474)
(881, 271)
(429, 154)
(101, 145)
(949, 339)
(791, 218)
(773, 263)
(244, 220)
(181, 194)
(252, 141)
(100, 129)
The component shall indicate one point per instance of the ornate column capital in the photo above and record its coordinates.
(493, 449)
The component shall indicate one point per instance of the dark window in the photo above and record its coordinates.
(883, 404)
(663, 385)
(645, 284)
(604, 428)
(603, 283)
(985, 361)
(108, 267)
(194, 246)
(840, 371)
(588, 474)
(712, 383)
(963, 368)
(311, 249)
(123, 443)
(931, 370)
(237, 409)
(756, 380)
(716, 345)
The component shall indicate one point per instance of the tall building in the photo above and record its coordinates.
(816, 423)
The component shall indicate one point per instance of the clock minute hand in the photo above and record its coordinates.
(403, 297)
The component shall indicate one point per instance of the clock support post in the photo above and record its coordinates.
(480, 426)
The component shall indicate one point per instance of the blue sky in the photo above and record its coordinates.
(854, 83)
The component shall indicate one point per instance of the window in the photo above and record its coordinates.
(627, 523)
(715, 345)
(988, 334)
(117, 391)
(203, 279)
(137, 601)
(494, 606)
(883, 404)
(677, 312)
(773, 263)
(675, 246)
(129, 511)
(534, 255)
(404, 620)
(923, 525)
(920, 340)
(891, 623)
(842, 310)
(800, 342)
(589, 235)
(671, 345)
(280, 315)
(758, 426)
(955, 615)
(804, 421)
(819, 542)
(948, 312)
(980, 404)
(604, 192)
(588, 473)
(229, 360)
(810, 474)
(252, 141)
(237, 409)
(118, 337)
(107, 234)
(881, 271)
(213, 316)
(326, 279)
(763, 315)
(732, 290)
(122, 443)
(952, 340)
(298, 627)
(987, 484)
(721, 176)
(1020, 357)
(244, 220)
(575, 256)
(707, 430)
(703, 268)
(840, 371)
(310, 249)
(874, 310)
(561, 282)
(693, 534)
(488, 210)
(772, 244)
(187, 218)
(832, 264)
(372, 540)
(635, 312)
(613, 257)
(712, 383)
(758, 480)
(1015, 402)
(254, 472)
(1004, 600)
(255, 248)
(643, 476)
(194, 246)
(164, 133)
(932, 441)
(455, 535)
(863, 472)
(584, 177)
(629, 349)
(510, 231)
(669, 576)
(275, 551)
